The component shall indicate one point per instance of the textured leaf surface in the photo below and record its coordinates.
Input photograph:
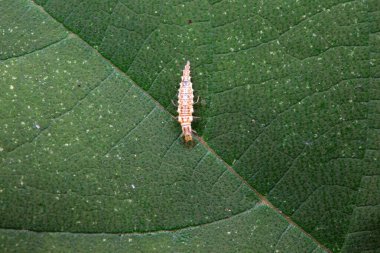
(256, 229)
(289, 99)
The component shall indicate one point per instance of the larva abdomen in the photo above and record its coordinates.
(185, 103)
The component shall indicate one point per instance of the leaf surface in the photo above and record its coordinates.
(90, 152)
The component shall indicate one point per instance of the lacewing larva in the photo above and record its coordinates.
(185, 103)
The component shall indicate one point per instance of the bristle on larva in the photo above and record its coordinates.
(185, 103)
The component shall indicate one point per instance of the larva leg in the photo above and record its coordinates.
(196, 102)
(174, 103)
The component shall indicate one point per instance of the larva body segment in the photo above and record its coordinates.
(185, 103)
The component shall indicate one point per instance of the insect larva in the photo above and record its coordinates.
(185, 103)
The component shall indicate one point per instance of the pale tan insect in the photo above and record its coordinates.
(185, 103)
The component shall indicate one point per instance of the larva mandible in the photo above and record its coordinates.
(185, 103)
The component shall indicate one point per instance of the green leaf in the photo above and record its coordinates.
(91, 157)
(256, 229)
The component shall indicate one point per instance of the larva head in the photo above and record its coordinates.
(188, 137)
(186, 131)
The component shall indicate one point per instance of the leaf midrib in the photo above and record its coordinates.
(263, 200)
